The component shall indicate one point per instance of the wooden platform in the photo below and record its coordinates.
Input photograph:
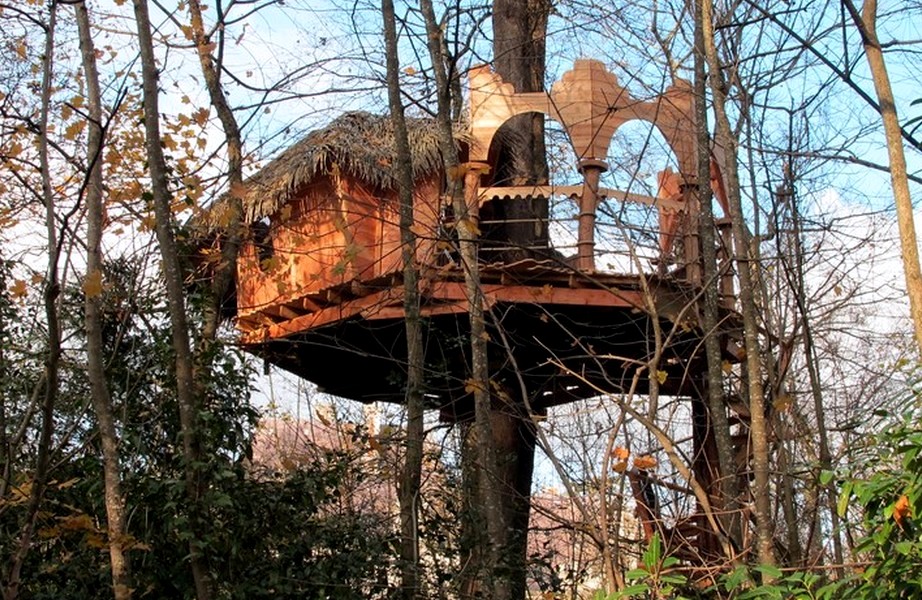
(567, 335)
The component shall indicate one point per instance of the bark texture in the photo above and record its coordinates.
(866, 22)
(173, 280)
(96, 372)
(745, 265)
(411, 475)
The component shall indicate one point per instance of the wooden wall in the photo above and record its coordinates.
(334, 232)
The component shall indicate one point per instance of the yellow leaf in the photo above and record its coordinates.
(149, 222)
(472, 386)
(726, 366)
(77, 101)
(73, 130)
(201, 116)
(410, 71)
(19, 288)
(620, 466)
(471, 226)
(92, 285)
(783, 403)
(661, 377)
(81, 522)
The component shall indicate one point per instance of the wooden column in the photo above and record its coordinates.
(691, 245)
(473, 171)
(591, 170)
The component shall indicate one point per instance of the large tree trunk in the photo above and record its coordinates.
(519, 34)
(719, 422)
(745, 265)
(462, 184)
(409, 484)
(102, 405)
(172, 275)
(867, 25)
(232, 231)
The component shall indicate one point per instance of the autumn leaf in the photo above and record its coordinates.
(410, 71)
(620, 466)
(901, 510)
(726, 366)
(783, 403)
(621, 453)
(92, 285)
(19, 288)
(661, 377)
(645, 462)
(472, 386)
(201, 116)
(73, 130)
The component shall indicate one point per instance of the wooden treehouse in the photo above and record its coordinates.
(320, 291)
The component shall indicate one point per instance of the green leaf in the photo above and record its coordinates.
(739, 576)
(842, 506)
(634, 590)
(769, 571)
(635, 574)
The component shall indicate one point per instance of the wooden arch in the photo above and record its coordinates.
(591, 105)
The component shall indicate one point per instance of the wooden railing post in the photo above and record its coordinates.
(591, 170)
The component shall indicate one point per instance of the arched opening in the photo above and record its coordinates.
(629, 224)
(515, 226)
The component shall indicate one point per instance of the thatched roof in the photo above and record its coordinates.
(359, 144)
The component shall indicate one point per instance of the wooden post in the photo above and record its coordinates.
(591, 170)
(472, 171)
(691, 245)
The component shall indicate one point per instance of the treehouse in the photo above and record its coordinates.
(320, 290)
(320, 286)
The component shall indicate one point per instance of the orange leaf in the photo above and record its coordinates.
(901, 510)
(644, 463)
(621, 453)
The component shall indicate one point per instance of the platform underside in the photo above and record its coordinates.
(563, 338)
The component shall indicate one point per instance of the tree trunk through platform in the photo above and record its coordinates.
(519, 53)
(514, 445)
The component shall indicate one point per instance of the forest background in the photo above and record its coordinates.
(129, 413)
